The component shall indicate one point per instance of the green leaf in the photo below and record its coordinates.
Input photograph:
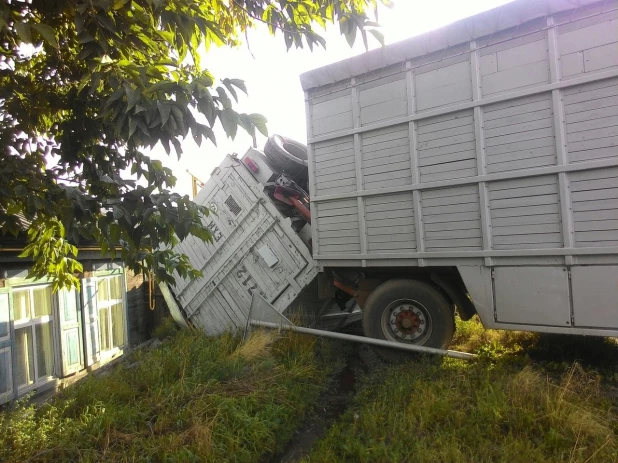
(378, 35)
(260, 123)
(47, 33)
(23, 31)
(207, 107)
(132, 126)
(350, 35)
(230, 88)
(118, 4)
(164, 112)
(21, 191)
(132, 95)
(229, 120)
(225, 100)
(208, 133)
(197, 136)
(115, 96)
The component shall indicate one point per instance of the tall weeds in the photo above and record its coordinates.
(193, 399)
(504, 407)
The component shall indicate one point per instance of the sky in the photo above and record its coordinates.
(271, 74)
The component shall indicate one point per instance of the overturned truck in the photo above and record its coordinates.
(474, 167)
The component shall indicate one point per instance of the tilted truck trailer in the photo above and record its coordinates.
(474, 166)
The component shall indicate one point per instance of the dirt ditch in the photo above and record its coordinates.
(332, 404)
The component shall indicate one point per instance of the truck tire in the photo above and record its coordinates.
(287, 156)
(408, 311)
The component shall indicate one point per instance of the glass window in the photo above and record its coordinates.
(115, 285)
(102, 291)
(21, 304)
(111, 307)
(5, 370)
(117, 325)
(42, 301)
(5, 322)
(34, 335)
(25, 357)
(104, 328)
(44, 350)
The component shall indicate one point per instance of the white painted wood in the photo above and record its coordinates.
(480, 134)
(332, 146)
(572, 64)
(589, 91)
(588, 37)
(527, 160)
(436, 125)
(448, 95)
(373, 217)
(400, 167)
(358, 162)
(381, 93)
(332, 124)
(393, 156)
(385, 151)
(522, 55)
(488, 64)
(91, 320)
(561, 144)
(602, 57)
(331, 107)
(426, 156)
(592, 78)
(516, 119)
(608, 112)
(350, 217)
(515, 78)
(442, 77)
(523, 105)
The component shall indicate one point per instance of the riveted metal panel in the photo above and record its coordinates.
(532, 295)
(254, 250)
(595, 296)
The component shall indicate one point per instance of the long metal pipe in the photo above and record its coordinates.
(364, 340)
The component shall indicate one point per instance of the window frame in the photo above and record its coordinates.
(107, 305)
(31, 322)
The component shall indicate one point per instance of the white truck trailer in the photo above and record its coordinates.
(474, 166)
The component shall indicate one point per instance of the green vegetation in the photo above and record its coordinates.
(89, 85)
(511, 405)
(192, 399)
(217, 399)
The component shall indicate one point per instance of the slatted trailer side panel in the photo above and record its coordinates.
(491, 143)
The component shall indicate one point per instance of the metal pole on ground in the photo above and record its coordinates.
(364, 340)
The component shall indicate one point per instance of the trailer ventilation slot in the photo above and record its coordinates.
(232, 205)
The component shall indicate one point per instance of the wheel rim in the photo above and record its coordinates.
(406, 320)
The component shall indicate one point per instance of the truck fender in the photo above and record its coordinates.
(458, 297)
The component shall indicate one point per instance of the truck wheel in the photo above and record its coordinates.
(408, 311)
(288, 156)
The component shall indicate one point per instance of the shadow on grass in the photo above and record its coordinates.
(528, 397)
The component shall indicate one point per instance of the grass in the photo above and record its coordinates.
(515, 403)
(527, 398)
(192, 399)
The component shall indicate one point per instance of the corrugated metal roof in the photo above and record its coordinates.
(481, 25)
